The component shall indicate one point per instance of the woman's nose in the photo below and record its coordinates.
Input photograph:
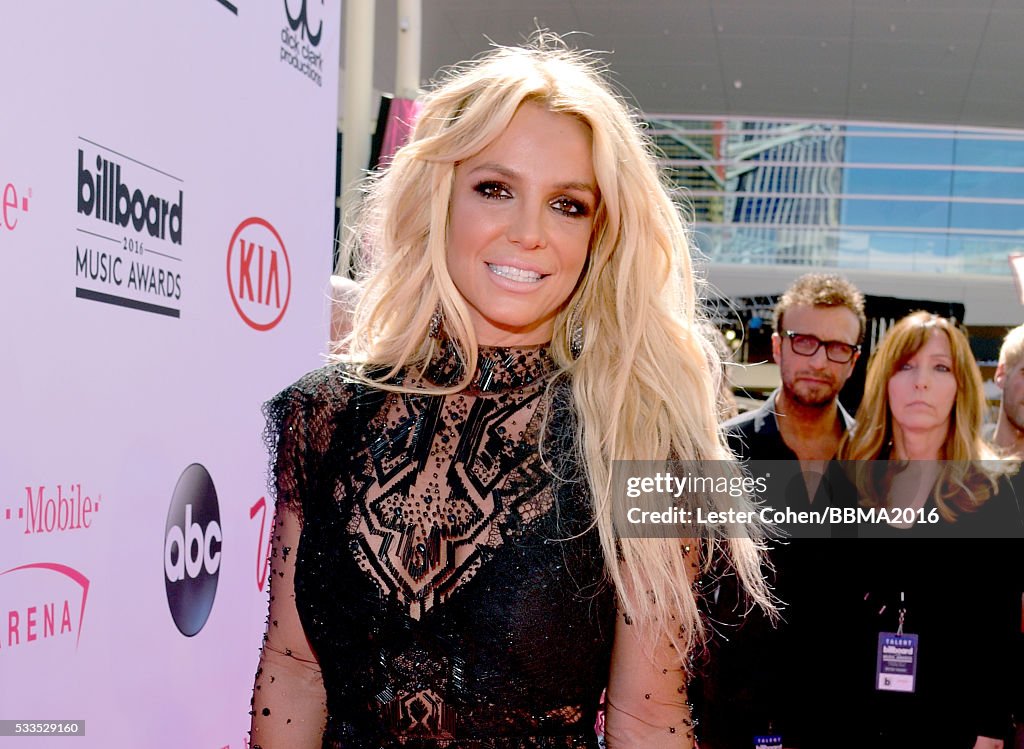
(527, 228)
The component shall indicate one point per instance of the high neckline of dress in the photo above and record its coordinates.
(499, 369)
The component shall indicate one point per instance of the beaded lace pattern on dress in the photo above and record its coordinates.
(447, 577)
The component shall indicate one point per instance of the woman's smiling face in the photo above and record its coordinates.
(521, 219)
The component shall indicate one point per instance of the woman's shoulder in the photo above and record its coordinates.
(1009, 497)
(321, 382)
(332, 384)
(1001, 515)
(321, 397)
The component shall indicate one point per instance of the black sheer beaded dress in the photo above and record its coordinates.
(436, 574)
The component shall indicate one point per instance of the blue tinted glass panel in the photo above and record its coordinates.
(896, 182)
(895, 213)
(910, 243)
(988, 185)
(876, 149)
(990, 152)
(987, 216)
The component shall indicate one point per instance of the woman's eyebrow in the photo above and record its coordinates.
(489, 166)
(580, 186)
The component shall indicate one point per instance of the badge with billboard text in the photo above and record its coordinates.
(897, 662)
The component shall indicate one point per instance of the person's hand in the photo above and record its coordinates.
(984, 742)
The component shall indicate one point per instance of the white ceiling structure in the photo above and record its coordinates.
(958, 62)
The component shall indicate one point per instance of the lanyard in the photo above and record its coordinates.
(902, 612)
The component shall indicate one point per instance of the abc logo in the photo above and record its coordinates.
(192, 550)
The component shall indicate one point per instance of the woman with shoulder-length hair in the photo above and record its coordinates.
(942, 566)
(923, 407)
(445, 568)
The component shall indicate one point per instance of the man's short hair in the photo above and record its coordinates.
(1012, 348)
(822, 290)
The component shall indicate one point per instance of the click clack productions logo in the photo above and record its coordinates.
(300, 38)
(192, 550)
(130, 233)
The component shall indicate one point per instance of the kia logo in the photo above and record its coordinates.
(259, 274)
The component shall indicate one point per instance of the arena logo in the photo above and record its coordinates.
(192, 550)
(262, 548)
(50, 600)
(299, 39)
(54, 510)
(259, 274)
(131, 229)
(12, 205)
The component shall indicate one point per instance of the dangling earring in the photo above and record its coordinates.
(576, 339)
(435, 323)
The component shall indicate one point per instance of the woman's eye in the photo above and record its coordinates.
(493, 190)
(906, 367)
(943, 368)
(570, 207)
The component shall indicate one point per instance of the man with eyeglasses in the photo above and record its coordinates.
(761, 678)
(819, 324)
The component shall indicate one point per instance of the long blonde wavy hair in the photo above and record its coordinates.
(970, 467)
(645, 383)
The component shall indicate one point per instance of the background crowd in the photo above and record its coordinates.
(917, 443)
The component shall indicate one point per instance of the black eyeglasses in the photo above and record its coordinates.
(808, 345)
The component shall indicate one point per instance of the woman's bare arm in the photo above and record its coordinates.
(647, 705)
(289, 703)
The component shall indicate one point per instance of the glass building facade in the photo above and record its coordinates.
(868, 196)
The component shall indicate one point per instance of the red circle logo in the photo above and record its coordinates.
(259, 274)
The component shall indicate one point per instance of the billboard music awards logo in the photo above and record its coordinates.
(129, 247)
(41, 602)
(259, 274)
(13, 205)
(192, 550)
(300, 38)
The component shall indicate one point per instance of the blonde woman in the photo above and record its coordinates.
(922, 411)
(445, 569)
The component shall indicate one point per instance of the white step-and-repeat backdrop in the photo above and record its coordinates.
(166, 205)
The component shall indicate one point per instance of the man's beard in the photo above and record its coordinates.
(821, 396)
